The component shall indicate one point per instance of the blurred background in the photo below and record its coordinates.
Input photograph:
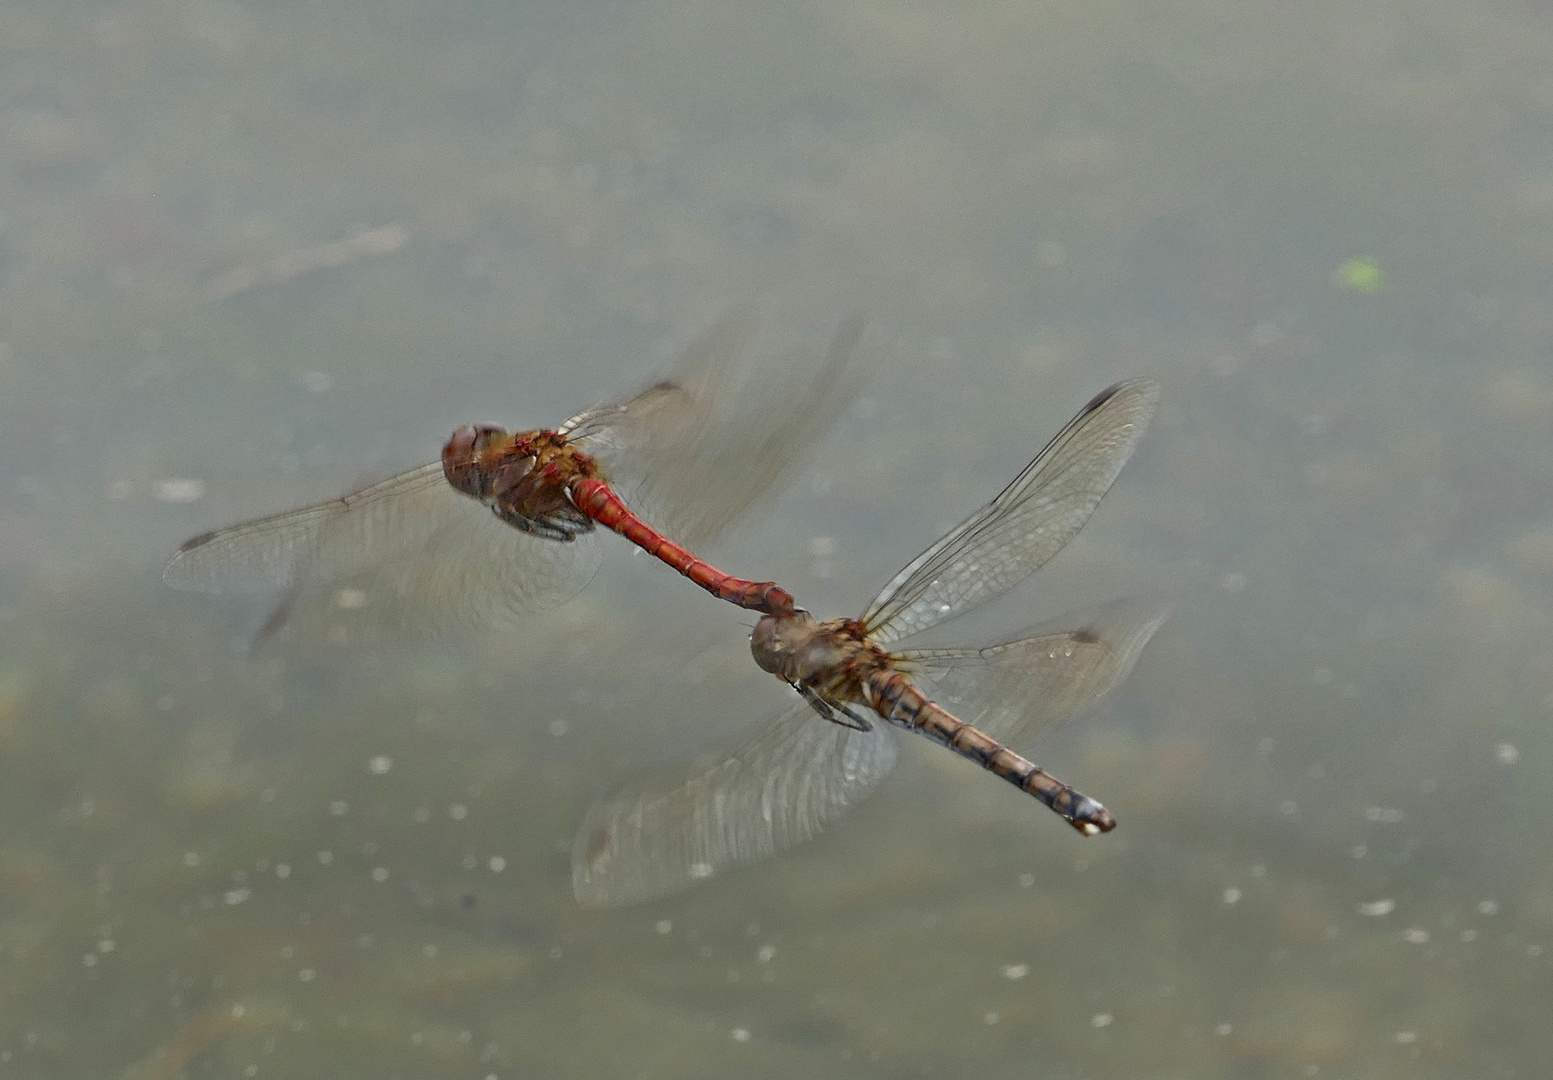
(255, 253)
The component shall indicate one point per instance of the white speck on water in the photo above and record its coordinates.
(1377, 908)
(1415, 935)
(89, 960)
(239, 1010)
(701, 870)
(429, 951)
(1507, 753)
(1383, 815)
(470, 862)
(236, 896)
(106, 945)
(1488, 907)
(1288, 808)
(1224, 1029)
(497, 864)
(180, 490)
(1406, 1037)
(663, 926)
(380, 874)
(339, 807)
(558, 728)
(1101, 1020)
(282, 871)
(380, 764)
(1232, 895)
(740, 1034)
(1015, 971)
(1534, 951)
(1026, 880)
(1359, 851)
(990, 1019)
(458, 811)
(350, 599)
(822, 547)
(765, 953)
(191, 858)
(325, 858)
(307, 974)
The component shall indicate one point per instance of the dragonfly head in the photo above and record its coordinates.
(461, 457)
(777, 639)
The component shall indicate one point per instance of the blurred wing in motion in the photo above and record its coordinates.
(1030, 521)
(412, 543)
(689, 458)
(776, 791)
(1020, 689)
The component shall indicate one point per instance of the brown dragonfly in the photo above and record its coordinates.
(423, 543)
(806, 769)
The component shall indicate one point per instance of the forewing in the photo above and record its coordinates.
(1019, 689)
(690, 453)
(354, 532)
(423, 556)
(1030, 521)
(777, 791)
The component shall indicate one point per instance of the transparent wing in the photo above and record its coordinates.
(1019, 689)
(411, 542)
(366, 526)
(690, 453)
(776, 791)
(1029, 522)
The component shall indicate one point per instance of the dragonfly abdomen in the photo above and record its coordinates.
(598, 500)
(893, 697)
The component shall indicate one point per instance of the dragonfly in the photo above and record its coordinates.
(427, 548)
(835, 747)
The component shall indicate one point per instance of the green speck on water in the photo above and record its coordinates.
(1361, 275)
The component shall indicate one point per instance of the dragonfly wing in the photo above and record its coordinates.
(474, 573)
(1019, 689)
(362, 528)
(423, 555)
(690, 457)
(1030, 521)
(776, 791)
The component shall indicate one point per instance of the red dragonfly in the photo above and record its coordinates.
(825, 754)
(421, 545)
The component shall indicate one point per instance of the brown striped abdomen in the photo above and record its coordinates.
(892, 696)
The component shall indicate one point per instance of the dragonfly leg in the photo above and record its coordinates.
(834, 711)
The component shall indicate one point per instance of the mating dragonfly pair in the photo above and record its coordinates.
(423, 540)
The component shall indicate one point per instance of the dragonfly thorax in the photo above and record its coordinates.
(525, 478)
(803, 651)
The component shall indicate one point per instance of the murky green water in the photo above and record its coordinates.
(253, 254)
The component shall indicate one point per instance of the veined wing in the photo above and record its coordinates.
(689, 457)
(1019, 689)
(416, 547)
(776, 791)
(1030, 521)
(360, 528)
